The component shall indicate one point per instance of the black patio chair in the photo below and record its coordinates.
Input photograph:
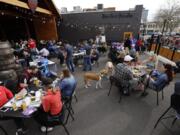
(115, 81)
(57, 120)
(158, 90)
(3, 131)
(68, 104)
(175, 105)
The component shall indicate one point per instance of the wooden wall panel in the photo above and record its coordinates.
(47, 30)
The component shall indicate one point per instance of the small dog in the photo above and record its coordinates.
(94, 76)
(109, 68)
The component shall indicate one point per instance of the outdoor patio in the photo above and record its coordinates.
(98, 114)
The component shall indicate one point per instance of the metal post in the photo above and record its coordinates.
(174, 50)
(144, 30)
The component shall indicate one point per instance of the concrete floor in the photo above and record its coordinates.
(98, 114)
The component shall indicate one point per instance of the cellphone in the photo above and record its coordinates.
(4, 109)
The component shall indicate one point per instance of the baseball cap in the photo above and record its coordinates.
(128, 58)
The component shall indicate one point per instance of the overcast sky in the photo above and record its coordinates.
(151, 5)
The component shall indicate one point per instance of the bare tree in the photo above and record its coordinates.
(169, 15)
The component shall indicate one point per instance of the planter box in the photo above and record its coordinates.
(176, 56)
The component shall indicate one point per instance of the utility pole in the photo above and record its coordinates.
(158, 43)
(164, 24)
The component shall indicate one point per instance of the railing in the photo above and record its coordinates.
(168, 52)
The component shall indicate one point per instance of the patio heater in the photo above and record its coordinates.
(7, 64)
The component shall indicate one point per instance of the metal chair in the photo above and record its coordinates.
(157, 90)
(68, 103)
(57, 121)
(3, 130)
(175, 105)
(114, 81)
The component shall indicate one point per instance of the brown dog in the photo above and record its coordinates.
(94, 76)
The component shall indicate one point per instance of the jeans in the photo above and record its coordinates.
(70, 65)
(87, 63)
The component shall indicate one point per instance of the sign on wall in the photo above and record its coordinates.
(33, 5)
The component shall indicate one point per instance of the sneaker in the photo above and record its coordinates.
(43, 129)
(21, 131)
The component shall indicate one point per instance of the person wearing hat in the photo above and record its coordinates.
(51, 104)
(165, 77)
(124, 74)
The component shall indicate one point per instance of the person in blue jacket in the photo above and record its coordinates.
(67, 83)
(163, 78)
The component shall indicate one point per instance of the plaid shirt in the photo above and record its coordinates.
(123, 74)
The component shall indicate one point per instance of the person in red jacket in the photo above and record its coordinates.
(31, 44)
(5, 95)
(51, 104)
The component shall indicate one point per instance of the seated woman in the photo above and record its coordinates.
(51, 104)
(163, 78)
(67, 84)
(152, 61)
(5, 95)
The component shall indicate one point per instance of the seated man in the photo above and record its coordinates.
(25, 78)
(67, 84)
(124, 74)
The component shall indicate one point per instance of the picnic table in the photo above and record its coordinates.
(51, 65)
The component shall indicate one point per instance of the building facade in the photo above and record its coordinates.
(86, 25)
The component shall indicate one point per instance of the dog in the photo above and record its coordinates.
(94, 76)
(109, 68)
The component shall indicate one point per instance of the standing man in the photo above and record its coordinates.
(87, 57)
(69, 56)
